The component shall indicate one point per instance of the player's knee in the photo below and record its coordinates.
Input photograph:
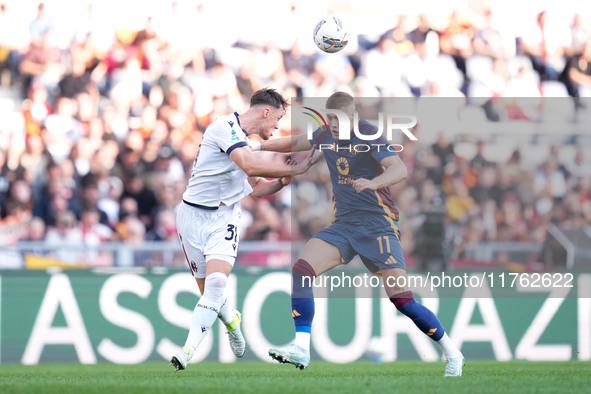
(302, 267)
(303, 275)
(401, 299)
(215, 283)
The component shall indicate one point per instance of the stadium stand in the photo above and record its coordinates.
(99, 125)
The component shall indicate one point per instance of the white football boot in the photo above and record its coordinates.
(292, 355)
(454, 365)
(237, 342)
(180, 361)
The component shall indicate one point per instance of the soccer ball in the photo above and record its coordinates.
(331, 35)
(375, 349)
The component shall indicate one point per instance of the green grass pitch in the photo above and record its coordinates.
(362, 377)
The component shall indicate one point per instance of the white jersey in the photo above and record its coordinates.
(215, 178)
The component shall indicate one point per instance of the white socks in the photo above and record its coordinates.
(302, 339)
(226, 315)
(447, 347)
(207, 309)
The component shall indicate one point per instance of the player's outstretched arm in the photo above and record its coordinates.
(395, 172)
(253, 166)
(262, 187)
(295, 143)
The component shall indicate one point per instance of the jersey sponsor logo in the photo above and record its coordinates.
(234, 246)
(231, 123)
(345, 180)
(343, 165)
(203, 329)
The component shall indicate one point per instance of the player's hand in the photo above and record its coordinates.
(286, 180)
(305, 165)
(362, 184)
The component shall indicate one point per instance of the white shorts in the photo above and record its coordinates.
(208, 234)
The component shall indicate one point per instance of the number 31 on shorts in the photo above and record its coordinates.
(233, 233)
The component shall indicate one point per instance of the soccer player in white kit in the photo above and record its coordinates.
(224, 171)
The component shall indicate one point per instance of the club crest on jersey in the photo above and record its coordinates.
(343, 166)
(234, 135)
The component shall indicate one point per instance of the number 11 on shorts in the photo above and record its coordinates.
(387, 241)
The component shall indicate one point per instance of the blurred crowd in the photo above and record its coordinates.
(99, 124)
